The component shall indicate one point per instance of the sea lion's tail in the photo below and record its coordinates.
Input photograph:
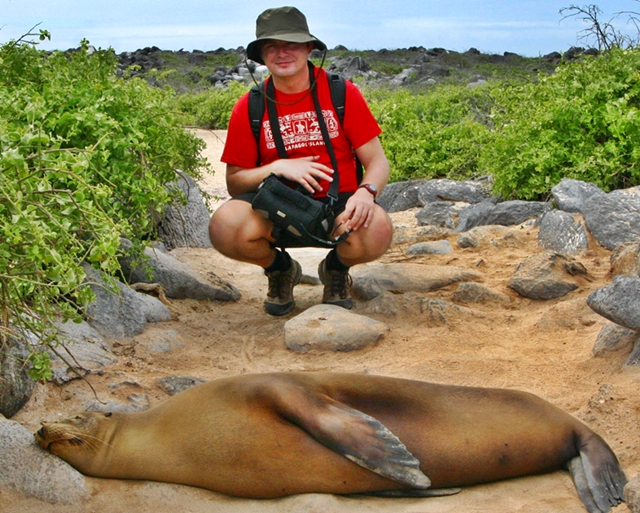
(597, 475)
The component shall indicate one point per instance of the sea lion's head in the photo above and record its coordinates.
(75, 438)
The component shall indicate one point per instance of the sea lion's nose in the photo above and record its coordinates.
(41, 432)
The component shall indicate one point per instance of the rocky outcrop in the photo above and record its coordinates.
(186, 225)
(613, 218)
(118, 311)
(548, 275)
(404, 67)
(178, 280)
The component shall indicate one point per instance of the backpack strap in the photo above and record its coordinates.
(338, 89)
(273, 121)
(257, 97)
(332, 193)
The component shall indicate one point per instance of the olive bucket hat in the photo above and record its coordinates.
(282, 23)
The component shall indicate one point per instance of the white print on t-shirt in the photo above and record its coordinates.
(301, 130)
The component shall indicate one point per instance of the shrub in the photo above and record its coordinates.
(84, 159)
(582, 123)
(435, 133)
(211, 108)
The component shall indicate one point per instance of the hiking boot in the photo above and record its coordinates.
(280, 295)
(336, 286)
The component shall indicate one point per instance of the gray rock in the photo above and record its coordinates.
(433, 312)
(372, 280)
(476, 83)
(570, 314)
(400, 196)
(163, 342)
(475, 215)
(507, 213)
(186, 225)
(390, 304)
(625, 259)
(178, 279)
(468, 240)
(83, 350)
(440, 247)
(569, 195)
(613, 337)
(547, 275)
(357, 63)
(634, 357)
(632, 494)
(470, 292)
(33, 472)
(331, 328)
(619, 301)
(135, 402)
(443, 189)
(494, 235)
(439, 312)
(173, 385)
(16, 386)
(406, 76)
(614, 218)
(560, 232)
(408, 234)
(439, 213)
(118, 311)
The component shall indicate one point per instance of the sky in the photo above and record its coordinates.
(527, 27)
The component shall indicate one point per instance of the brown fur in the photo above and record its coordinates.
(270, 435)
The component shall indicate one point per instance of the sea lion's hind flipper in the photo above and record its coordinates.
(353, 434)
(582, 486)
(414, 492)
(597, 476)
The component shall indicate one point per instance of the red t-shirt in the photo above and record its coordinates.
(301, 133)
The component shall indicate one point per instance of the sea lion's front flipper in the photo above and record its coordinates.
(356, 435)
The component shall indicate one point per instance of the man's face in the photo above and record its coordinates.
(285, 59)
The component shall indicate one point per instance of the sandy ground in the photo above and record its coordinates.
(542, 347)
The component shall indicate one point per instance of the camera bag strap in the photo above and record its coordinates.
(277, 135)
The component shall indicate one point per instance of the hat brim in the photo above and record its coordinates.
(253, 48)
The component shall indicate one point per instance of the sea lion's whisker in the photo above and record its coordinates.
(91, 441)
(59, 433)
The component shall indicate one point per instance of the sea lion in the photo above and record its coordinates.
(276, 434)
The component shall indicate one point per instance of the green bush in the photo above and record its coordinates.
(582, 123)
(211, 108)
(84, 159)
(432, 134)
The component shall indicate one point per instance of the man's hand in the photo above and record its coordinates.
(358, 210)
(306, 171)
